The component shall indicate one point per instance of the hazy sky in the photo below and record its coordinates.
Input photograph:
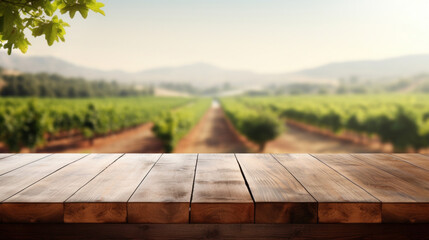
(258, 35)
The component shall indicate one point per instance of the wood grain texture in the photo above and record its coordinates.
(285, 212)
(222, 212)
(165, 194)
(31, 212)
(95, 212)
(158, 212)
(220, 193)
(18, 160)
(340, 200)
(55, 189)
(417, 178)
(279, 197)
(419, 160)
(5, 155)
(15, 181)
(390, 180)
(381, 184)
(348, 212)
(106, 188)
(114, 186)
(406, 212)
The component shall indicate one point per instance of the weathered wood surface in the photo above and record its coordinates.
(10, 163)
(418, 181)
(43, 201)
(279, 197)
(402, 188)
(4, 155)
(104, 198)
(165, 194)
(340, 200)
(214, 188)
(15, 181)
(220, 193)
(419, 160)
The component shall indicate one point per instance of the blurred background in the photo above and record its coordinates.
(224, 76)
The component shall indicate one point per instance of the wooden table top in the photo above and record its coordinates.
(214, 188)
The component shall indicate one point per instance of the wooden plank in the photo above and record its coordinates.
(339, 199)
(279, 197)
(220, 194)
(5, 155)
(406, 212)
(43, 201)
(381, 184)
(215, 231)
(104, 199)
(417, 177)
(165, 194)
(15, 181)
(391, 187)
(18, 160)
(419, 160)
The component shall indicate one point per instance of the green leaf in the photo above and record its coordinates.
(96, 7)
(17, 16)
(50, 31)
(72, 13)
(38, 31)
(22, 44)
(83, 12)
(50, 8)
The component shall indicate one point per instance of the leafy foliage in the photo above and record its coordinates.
(28, 123)
(38, 16)
(261, 129)
(46, 85)
(258, 125)
(23, 125)
(401, 120)
(171, 126)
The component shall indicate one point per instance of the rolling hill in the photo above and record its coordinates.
(386, 68)
(205, 75)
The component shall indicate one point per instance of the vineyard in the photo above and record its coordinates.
(171, 126)
(402, 120)
(31, 123)
(259, 125)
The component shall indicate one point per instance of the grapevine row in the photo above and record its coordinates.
(30, 122)
(171, 126)
(257, 124)
(402, 120)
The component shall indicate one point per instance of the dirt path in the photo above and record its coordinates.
(213, 134)
(296, 140)
(136, 140)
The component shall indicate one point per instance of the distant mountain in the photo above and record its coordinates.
(48, 64)
(204, 75)
(386, 68)
(199, 74)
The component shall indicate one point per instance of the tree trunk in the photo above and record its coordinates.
(261, 147)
